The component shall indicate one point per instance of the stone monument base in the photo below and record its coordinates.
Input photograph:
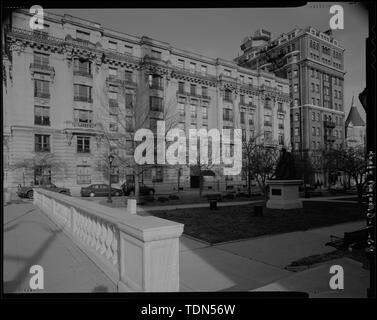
(284, 194)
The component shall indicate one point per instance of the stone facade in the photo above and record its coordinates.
(64, 85)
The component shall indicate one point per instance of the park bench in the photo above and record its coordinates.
(350, 239)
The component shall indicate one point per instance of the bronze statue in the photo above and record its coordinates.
(285, 169)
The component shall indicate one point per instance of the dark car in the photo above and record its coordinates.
(27, 192)
(129, 189)
(99, 190)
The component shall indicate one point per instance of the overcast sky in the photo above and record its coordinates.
(219, 32)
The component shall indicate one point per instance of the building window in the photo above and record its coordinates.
(41, 59)
(281, 123)
(228, 96)
(268, 136)
(41, 89)
(192, 67)
(317, 131)
(181, 109)
(268, 120)
(295, 88)
(156, 82)
(156, 54)
(242, 99)
(83, 174)
(193, 89)
(155, 104)
(204, 91)
(181, 87)
(128, 49)
(113, 45)
(181, 63)
(280, 107)
(158, 174)
(129, 101)
(227, 73)
(113, 125)
(296, 117)
(203, 70)
(242, 117)
(281, 139)
(296, 132)
(128, 75)
(42, 175)
(227, 115)
(42, 115)
(82, 116)
(82, 93)
(295, 73)
(113, 72)
(81, 35)
(205, 113)
(313, 131)
(83, 144)
(42, 143)
(82, 67)
(193, 111)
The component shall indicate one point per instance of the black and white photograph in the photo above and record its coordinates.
(207, 150)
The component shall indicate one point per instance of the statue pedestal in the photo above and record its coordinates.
(284, 194)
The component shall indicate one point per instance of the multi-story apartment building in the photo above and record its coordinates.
(313, 62)
(77, 91)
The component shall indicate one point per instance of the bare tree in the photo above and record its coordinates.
(351, 161)
(260, 161)
(42, 161)
(125, 120)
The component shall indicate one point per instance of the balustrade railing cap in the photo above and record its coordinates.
(144, 228)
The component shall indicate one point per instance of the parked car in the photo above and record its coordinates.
(129, 189)
(99, 190)
(27, 191)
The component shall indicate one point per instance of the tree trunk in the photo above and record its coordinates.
(200, 184)
(359, 193)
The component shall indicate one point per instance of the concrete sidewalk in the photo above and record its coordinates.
(31, 238)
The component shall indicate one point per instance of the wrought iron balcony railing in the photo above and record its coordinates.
(83, 99)
(83, 72)
(268, 123)
(42, 67)
(44, 95)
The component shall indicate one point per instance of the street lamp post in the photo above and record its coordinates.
(111, 159)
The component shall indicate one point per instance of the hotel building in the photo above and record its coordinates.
(65, 86)
(313, 62)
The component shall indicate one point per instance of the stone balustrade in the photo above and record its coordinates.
(137, 253)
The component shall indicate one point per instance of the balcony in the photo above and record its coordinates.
(44, 95)
(268, 123)
(118, 80)
(157, 86)
(83, 99)
(44, 68)
(113, 103)
(83, 72)
(329, 124)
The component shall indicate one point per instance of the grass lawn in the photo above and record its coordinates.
(238, 222)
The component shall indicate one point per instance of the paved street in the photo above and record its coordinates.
(31, 238)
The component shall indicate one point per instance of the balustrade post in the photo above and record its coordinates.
(149, 261)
